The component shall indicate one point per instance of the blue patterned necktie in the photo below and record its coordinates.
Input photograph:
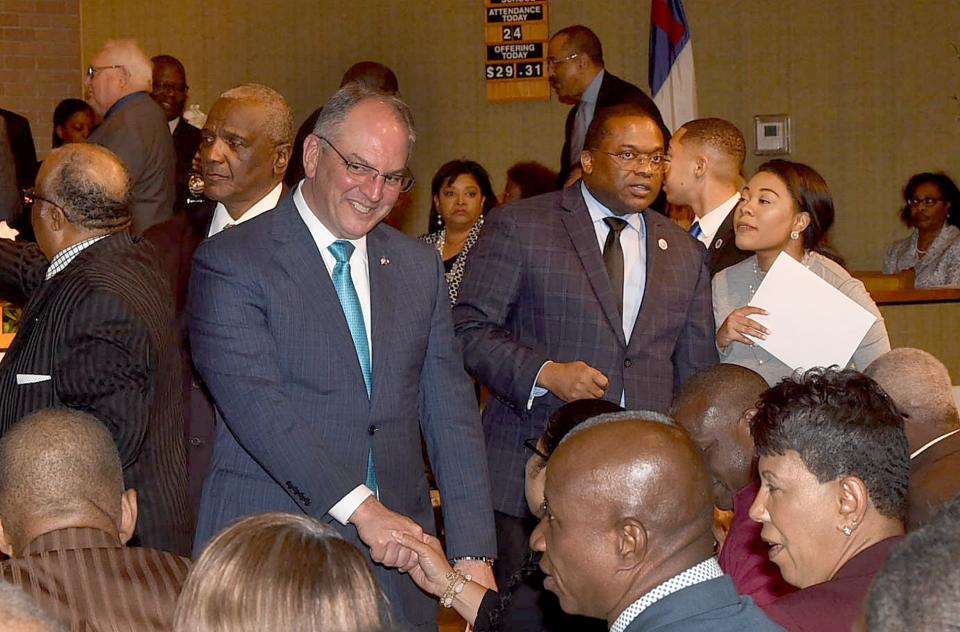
(695, 230)
(350, 302)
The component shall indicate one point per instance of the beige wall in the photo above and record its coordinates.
(39, 61)
(867, 82)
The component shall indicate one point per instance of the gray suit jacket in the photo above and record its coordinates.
(536, 289)
(712, 606)
(137, 131)
(295, 424)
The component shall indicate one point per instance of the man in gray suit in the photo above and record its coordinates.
(326, 340)
(627, 530)
(134, 128)
(581, 293)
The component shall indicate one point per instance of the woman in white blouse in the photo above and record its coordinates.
(932, 210)
(786, 207)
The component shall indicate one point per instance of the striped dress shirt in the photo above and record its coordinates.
(89, 581)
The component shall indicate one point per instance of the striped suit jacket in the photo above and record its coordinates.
(294, 420)
(536, 289)
(102, 330)
(89, 581)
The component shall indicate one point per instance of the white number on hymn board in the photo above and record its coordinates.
(511, 33)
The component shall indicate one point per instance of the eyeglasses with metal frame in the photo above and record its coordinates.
(553, 63)
(629, 159)
(93, 70)
(395, 181)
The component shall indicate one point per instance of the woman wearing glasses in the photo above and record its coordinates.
(932, 210)
(461, 194)
(786, 207)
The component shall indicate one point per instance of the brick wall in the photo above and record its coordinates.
(39, 60)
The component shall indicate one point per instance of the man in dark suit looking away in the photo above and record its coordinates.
(576, 71)
(97, 330)
(626, 532)
(703, 172)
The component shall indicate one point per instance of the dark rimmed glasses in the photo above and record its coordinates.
(531, 444)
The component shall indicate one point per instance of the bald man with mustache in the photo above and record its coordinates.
(626, 530)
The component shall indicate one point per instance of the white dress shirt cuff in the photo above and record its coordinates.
(349, 503)
(537, 391)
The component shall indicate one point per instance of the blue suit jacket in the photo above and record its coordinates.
(712, 606)
(536, 289)
(295, 423)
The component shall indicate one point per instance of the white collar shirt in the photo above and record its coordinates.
(710, 223)
(173, 124)
(359, 266)
(221, 218)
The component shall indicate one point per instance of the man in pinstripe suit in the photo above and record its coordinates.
(97, 330)
(326, 340)
(581, 293)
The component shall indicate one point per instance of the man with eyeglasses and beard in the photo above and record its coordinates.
(326, 340)
(582, 293)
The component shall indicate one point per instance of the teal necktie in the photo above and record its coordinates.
(350, 302)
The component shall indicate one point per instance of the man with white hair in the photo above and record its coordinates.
(919, 384)
(134, 127)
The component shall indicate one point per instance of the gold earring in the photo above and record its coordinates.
(794, 235)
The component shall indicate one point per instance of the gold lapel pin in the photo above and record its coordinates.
(663, 244)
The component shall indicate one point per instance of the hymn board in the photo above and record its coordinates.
(516, 40)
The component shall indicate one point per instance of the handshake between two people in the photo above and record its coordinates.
(398, 542)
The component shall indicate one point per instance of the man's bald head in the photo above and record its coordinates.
(57, 467)
(372, 75)
(90, 184)
(628, 505)
(711, 406)
(634, 463)
(920, 386)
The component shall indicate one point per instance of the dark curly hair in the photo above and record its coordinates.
(948, 191)
(842, 424)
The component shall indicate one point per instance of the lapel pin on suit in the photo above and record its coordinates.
(662, 243)
(717, 244)
(384, 261)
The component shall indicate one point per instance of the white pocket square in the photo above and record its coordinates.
(31, 378)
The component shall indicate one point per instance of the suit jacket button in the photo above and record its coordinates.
(371, 429)
(628, 363)
(196, 441)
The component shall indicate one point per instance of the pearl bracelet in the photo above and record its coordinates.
(456, 581)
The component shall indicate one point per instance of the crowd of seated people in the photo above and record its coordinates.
(256, 382)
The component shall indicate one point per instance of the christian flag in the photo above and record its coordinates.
(672, 81)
